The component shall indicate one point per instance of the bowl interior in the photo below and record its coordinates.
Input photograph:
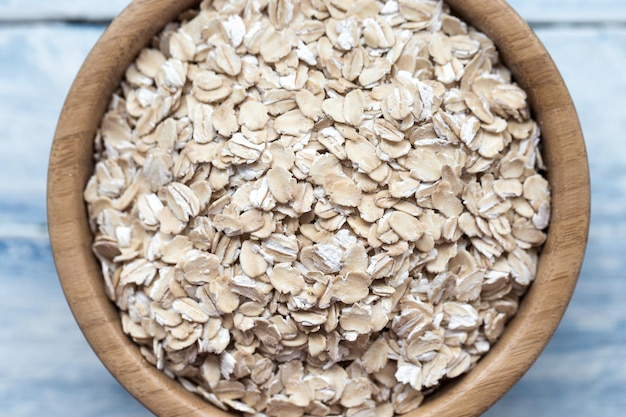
(71, 164)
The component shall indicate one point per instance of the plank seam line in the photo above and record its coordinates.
(85, 20)
(77, 21)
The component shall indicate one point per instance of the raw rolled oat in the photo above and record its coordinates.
(317, 207)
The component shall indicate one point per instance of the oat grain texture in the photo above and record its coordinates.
(565, 158)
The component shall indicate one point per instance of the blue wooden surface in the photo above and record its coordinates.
(47, 368)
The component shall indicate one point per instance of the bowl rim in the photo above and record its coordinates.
(525, 336)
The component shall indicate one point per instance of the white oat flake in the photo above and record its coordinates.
(236, 29)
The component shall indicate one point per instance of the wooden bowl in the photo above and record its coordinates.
(71, 164)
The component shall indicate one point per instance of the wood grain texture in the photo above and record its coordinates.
(70, 166)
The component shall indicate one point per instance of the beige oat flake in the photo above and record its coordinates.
(317, 207)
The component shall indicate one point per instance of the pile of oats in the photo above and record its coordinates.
(317, 207)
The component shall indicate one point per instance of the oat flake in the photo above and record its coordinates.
(317, 207)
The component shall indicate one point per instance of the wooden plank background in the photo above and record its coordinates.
(548, 11)
(24, 10)
(46, 367)
(545, 11)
